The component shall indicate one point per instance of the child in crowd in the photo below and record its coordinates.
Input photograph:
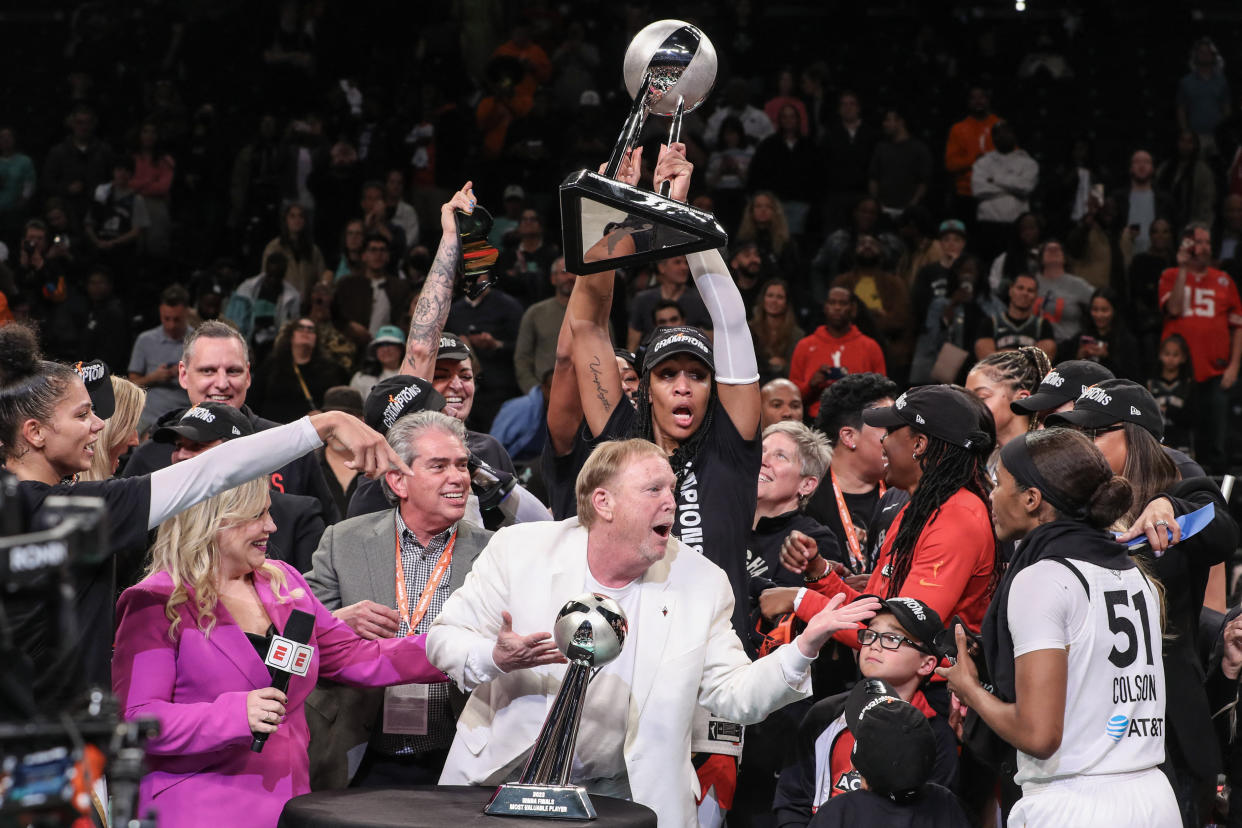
(897, 655)
(1173, 386)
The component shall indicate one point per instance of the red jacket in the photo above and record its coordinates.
(855, 352)
(951, 571)
(968, 139)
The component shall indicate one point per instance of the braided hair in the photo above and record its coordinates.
(1023, 369)
(947, 469)
(644, 427)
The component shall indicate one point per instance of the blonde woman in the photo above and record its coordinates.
(190, 645)
(120, 431)
(764, 223)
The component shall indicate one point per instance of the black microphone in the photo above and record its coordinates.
(288, 654)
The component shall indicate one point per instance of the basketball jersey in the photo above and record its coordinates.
(1211, 308)
(1115, 688)
(1010, 335)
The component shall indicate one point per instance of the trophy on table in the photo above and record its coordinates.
(590, 630)
(670, 67)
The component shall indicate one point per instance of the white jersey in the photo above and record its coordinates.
(1109, 622)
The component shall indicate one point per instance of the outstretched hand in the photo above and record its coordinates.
(514, 651)
(673, 167)
(836, 616)
(462, 200)
(367, 450)
(1159, 523)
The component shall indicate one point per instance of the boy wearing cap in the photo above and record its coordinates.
(897, 655)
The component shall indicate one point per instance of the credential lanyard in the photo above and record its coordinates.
(847, 523)
(424, 600)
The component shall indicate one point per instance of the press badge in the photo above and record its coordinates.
(405, 709)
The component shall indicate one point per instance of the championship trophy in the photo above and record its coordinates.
(670, 67)
(590, 630)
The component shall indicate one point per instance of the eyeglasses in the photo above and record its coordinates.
(888, 640)
(305, 328)
(1093, 434)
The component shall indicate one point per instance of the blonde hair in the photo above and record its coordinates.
(778, 231)
(607, 461)
(814, 450)
(186, 549)
(117, 428)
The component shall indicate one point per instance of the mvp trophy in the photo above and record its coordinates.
(590, 630)
(670, 67)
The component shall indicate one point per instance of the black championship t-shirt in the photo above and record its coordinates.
(716, 494)
(66, 662)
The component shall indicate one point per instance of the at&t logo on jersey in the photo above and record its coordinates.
(1117, 726)
(1120, 726)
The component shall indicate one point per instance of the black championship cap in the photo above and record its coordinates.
(98, 381)
(628, 356)
(679, 340)
(1063, 384)
(206, 423)
(919, 620)
(939, 410)
(1114, 401)
(452, 346)
(894, 747)
(393, 398)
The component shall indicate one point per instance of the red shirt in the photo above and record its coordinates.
(1211, 310)
(852, 353)
(951, 571)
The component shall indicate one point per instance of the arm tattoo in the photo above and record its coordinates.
(432, 307)
(600, 393)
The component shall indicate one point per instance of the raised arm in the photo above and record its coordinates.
(564, 404)
(433, 303)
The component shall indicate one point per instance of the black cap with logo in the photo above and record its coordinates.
(939, 410)
(98, 381)
(1061, 385)
(393, 398)
(894, 747)
(206, 423)
(452, 346)
(1114, 401)
(683, 339)
(916, 618)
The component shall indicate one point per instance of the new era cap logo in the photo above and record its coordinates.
(236, 431)
(918, 418)
(1135, 412)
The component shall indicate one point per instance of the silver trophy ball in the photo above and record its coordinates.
(590, 629)
(682, 63)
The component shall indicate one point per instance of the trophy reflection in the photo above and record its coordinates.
(590, 630)
(670, 68)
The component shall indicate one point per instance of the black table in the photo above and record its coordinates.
(436, 807)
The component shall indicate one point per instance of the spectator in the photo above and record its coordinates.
(764, 223)
(530, 55)
(727, 170)
(120, 431)
(525, 265)
(17, 185)
(830, 259)
(377, 218)
(1097, 251)
(79, 164)
(1143, 279)
(331, 328)
(291, 382)
(901, 167)
(1002, 182)
(1106, 339)
(1140, 203)
(673, 278)
(342, 481)
(384, 356)
(1018, 326)
(747, 267)
(1227, 250)
(1063, 297)
(106, 334)
(575, 62)
(932, 281)
(951, 326)
(505, 225)
(489, 323)
(156, 354)
(849, 142)
(785, 97)
(887, 300)
(775, 330)
(366, 301)
(787, 164)
(1203, 95)
(1190, 184)
(304, 262)
(1172, 384)
(736, 104)
(836, 349)
(667, 314)
(153, 178)
(118, 220)
(813, 84)
(262, 305)
(1021, 256)
(353, 244)
(781, 401)
(254, 185)
(400, 211)
(535, 351)
(1201, 303)
(969, 138)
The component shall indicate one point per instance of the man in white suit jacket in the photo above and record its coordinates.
(683, 651)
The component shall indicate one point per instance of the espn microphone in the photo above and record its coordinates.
(288, 654)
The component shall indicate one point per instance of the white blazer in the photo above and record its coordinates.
(687, 655)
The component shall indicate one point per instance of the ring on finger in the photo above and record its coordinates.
(1162, 523)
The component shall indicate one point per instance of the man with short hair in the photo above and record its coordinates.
(901, 167)
(886, 297)
(667, 314)
(1001, 182)
(215, 367)
(523, 269)
(535, 352)
(79, 163)
(489, 321)
(746, 266)
(157, 351)
(673, 277)
(398, 736)
(374, 298)
(836, 348)
(118, 218)
(1019, 325)
(680, 649)
(1139, 204)
(781, 400)
(968, 139)
(1202, 304)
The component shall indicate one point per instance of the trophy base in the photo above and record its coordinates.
(543, 801)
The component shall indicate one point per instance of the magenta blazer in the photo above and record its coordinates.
(201, 769)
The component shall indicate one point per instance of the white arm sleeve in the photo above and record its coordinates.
(178, 487)
(734, 351)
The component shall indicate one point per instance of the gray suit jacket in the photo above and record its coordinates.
(354, 562)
